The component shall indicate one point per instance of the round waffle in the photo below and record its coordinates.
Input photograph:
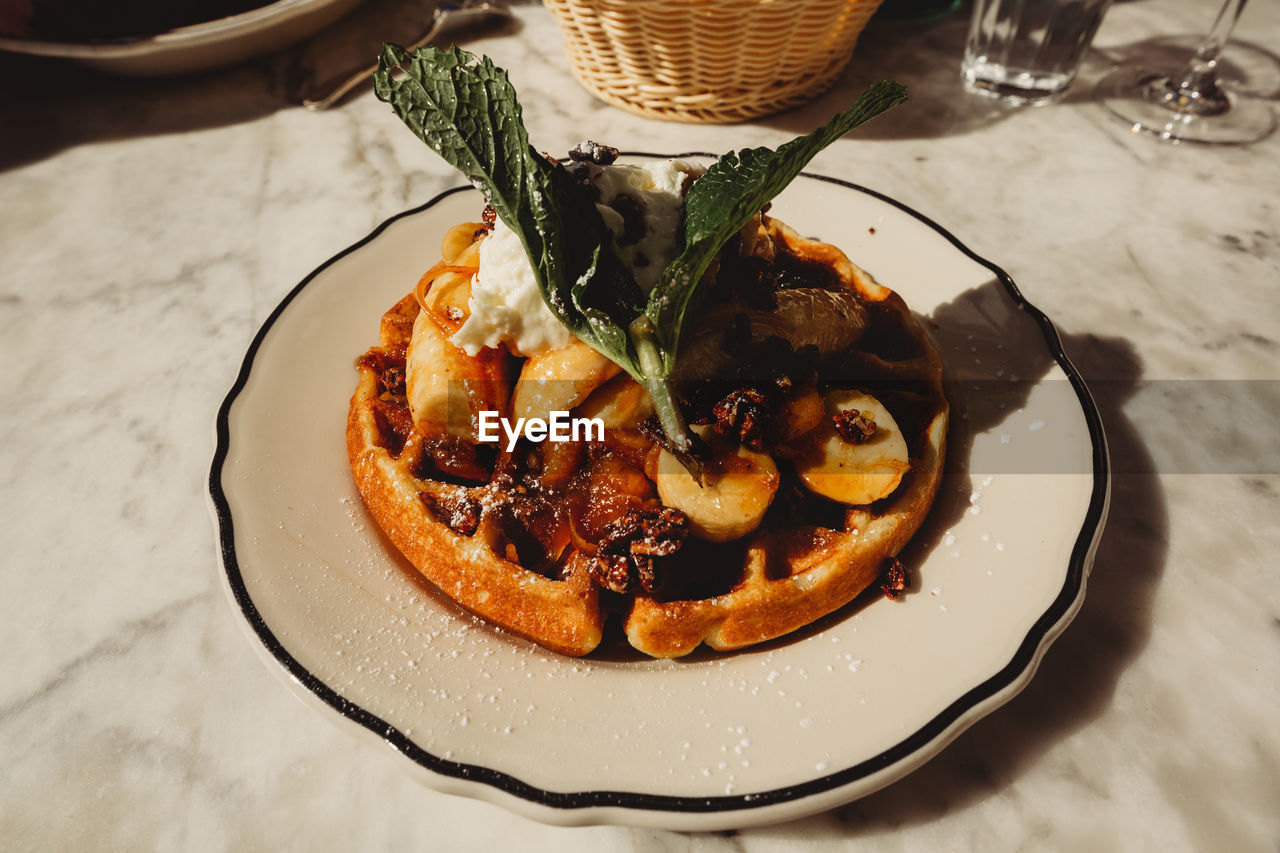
(519, 537)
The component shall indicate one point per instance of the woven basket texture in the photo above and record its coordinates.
(709, 60)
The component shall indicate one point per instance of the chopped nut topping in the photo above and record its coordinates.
(854, 426)
(626, 555)
(593, 152)
(390, 368)
(393, 380)
(895, 583)
(651, 428)
(460, 512)
(743, 414)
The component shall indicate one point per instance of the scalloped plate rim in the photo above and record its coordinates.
(585, 807)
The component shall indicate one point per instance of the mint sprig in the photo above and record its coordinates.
(733, 190)
(466, 110)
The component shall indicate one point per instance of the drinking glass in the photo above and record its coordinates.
(1188, 104)
(1027, 52)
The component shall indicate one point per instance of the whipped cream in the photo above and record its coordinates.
(641, 205)
(657, 191)
(506, 306)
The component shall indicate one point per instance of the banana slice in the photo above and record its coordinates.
(450, 294)
(848, 472)
(560, 379)
(621, 403)
(738, 486)
(447, 387)
(801, 412)
(450, 297)
(458, 240)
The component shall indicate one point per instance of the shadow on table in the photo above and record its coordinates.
(1244, 65)
(49, 105)
(1077, 678)
(925, 57)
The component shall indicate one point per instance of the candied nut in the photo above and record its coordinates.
(393, 380)
(854, 426)
(626, 557)
(593, 152)
(612, 573)
(651, 428)
(895, 583)
(743, 414)
(459, 511)
(390, 368)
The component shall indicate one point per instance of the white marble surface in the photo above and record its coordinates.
(147, 228)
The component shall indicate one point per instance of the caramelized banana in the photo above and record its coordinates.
(449, 296)
(447, 387)
(738, 484)
(458, 239)
(620, 403)
(853, 471)
(560, 379)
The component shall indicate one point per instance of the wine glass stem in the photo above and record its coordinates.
(1195, 88)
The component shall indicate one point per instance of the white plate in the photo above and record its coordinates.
(712, 741)
(208, 45)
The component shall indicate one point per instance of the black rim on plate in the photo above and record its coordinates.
(1006, 677)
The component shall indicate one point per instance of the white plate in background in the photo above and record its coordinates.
(211, 44)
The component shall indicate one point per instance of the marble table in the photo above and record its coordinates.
(148, 227)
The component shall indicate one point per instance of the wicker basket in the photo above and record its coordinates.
(709, 60)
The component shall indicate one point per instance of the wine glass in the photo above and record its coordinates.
(1188, 104)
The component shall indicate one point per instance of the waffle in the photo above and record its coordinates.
(516, 537)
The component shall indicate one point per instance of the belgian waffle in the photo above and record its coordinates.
(516, 537)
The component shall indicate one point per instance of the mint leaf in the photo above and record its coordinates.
(466, 110)
(734, 189)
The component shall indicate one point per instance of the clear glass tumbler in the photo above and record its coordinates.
(1027, 52)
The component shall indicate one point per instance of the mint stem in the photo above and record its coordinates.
(683, 442)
